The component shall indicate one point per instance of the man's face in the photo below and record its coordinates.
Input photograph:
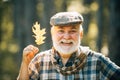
(66, 39)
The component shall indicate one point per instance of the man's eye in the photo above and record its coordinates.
(73, 31)
(61, 31)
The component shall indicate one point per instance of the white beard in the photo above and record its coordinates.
(66, 49)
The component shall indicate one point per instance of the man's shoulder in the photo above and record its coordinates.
(90, 52)
(97, 56)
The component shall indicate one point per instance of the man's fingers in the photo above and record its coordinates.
(30, 50)
(35, 50)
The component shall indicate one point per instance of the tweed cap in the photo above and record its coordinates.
(66, 18)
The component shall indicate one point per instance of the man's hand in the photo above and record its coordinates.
(29, 52)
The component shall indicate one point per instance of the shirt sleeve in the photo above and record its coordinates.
(33, 69)
(109, 68)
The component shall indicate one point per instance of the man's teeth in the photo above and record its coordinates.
(66, 42)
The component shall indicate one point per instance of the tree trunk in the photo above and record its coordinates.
(24, 17)
(114, 31)
(100, 25)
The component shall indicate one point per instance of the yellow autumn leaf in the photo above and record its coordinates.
(38, 33)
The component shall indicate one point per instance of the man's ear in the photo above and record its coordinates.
(81, 34)
(51, 30)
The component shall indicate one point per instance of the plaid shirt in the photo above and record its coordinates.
(97, 67)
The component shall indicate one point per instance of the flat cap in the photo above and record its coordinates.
(66, 18)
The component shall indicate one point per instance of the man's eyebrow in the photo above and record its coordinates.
(61, 27)
(74, 27)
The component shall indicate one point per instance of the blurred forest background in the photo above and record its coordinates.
(101, 28)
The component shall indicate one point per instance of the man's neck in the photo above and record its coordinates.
(65, 55)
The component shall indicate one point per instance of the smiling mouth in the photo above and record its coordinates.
(66, 43)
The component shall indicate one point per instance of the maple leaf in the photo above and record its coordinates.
(38, 33)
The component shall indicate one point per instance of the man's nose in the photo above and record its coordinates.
(66, 35)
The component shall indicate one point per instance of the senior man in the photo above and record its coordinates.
(67, 59)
